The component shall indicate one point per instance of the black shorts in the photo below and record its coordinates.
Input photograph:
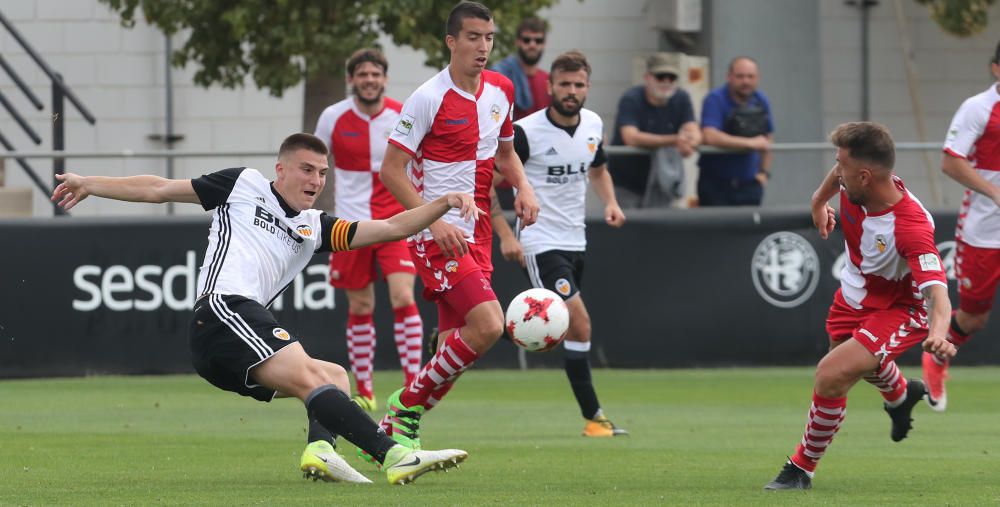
(231, 334)
(559, 271)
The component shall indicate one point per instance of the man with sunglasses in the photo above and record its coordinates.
(656, 115)
(530, 82)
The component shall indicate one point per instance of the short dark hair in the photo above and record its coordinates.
(866, 141)
(570, 61)
(535, 25)
(741, 57)
(996, 55)
(302, 141)
(463, 11)
(366, 55)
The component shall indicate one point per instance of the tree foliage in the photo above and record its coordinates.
(278, 43)
(960, 17)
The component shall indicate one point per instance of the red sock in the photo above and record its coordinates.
(447, 364)
(889, 381)
(409, 340)
(825, 417)
(361, 351)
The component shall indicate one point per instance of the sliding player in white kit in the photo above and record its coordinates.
(263, 233)
(355, 129)
(561, 149)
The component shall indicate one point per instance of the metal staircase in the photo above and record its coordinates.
(18, 201)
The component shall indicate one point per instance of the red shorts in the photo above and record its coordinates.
(355, 269)
(978, 273)
(456, 284)
(885, 333)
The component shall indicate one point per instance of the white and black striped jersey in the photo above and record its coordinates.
(257, 243)
(556, 160)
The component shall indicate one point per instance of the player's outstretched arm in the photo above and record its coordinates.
(939, 314)
(960, 170)
(414, 220)
(824, 216)
(145, 188)
(525, 204)
(393, 174)
(600, 181)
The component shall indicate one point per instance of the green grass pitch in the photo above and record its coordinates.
(699, 437)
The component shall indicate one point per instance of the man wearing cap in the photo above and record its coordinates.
(656, 115)
(736, 116)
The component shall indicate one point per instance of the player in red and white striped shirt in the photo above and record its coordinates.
(972, 158)
(452, 131)
(355, 129)
(893, 293)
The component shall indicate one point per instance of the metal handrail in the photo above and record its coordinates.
(611, 150)
(55, 78)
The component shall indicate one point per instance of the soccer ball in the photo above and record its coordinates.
(537, 320)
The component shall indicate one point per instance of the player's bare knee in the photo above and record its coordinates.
(400, 299)
(579, 330)
(336, 374)
(832, 380)
(360, 306)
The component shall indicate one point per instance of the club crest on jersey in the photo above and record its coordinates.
(495, 112)
(304, 230)
(281, 334)
(562, 286)
(451, 266)
(335, 274)
(880, 243)
(405, 124)
(592, 144)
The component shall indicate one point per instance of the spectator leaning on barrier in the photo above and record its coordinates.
(531, 92)
(736, 116)
(656, 115)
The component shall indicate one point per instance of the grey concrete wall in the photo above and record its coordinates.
(119, 74)
(948, 69)
(782, 36)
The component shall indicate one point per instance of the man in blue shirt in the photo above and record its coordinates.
(736, 116)
(655, 115)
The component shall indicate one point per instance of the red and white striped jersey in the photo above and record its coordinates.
(357, 142)
(974, 134)
(453, 137)
(891, 255)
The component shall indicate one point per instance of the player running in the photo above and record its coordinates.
(562, 149)
(355, 130)
(451, 129)
(893, 293)
(972, 158)
(263, 233)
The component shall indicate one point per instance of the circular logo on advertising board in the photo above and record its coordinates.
(785, 269)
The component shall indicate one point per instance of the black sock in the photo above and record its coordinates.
(335, 411)
(318, 432)
(578, 372)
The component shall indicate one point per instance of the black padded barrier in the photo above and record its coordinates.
(671, 289)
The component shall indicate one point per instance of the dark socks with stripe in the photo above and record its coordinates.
(334, 411)
(578, 372)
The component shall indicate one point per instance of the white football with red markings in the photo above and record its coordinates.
(537, 320)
